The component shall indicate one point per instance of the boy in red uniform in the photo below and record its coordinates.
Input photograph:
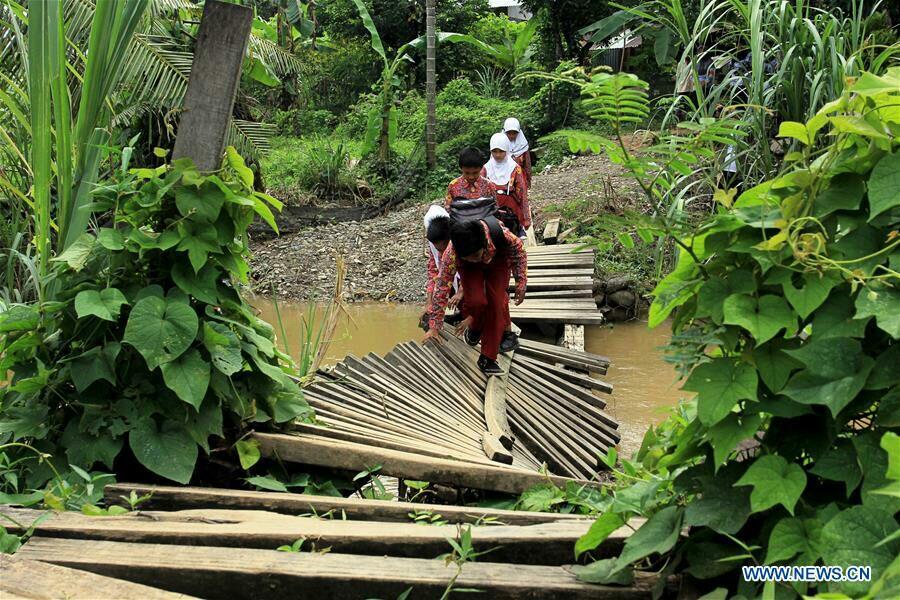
(508, 181)
(483, 252)
(470, 184)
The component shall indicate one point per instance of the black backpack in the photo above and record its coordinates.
(483, 209)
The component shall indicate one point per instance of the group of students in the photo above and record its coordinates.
(475, 242)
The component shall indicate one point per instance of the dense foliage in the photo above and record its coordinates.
(147, 339)
(784, 310)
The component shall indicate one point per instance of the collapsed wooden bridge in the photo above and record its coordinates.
(560, 287)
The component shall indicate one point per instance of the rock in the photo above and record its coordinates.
(624, 298)
(600, 299)
(619, 314)
(599, 286)
(620, 282)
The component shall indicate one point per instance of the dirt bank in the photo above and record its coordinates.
(385, 255)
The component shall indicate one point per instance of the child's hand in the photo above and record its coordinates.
(520, 296)
(455, 300)
(463, 325)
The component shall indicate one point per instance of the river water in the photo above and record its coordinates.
(644, 385)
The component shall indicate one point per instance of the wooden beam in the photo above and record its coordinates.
(265, 530)
(215, 76)
(495, 404)
(238, 574)
(22, 578)
(551, 231)
(495, 450)
(163, 497)
(312, 450)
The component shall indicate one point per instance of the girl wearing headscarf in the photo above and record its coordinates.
(518, 146)
(437, 232)
(508, 181)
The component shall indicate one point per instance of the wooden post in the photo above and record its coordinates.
(215, 75)
(430, 86)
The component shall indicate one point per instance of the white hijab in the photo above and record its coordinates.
(435, 211)
(520, 145)
(499, 172)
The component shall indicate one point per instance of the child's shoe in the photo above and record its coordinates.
(509, 342)
(488, 366)
(472, 337)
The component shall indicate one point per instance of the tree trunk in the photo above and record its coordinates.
(430, 86)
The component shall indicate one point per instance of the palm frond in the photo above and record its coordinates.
(250, 138)
(281, 61)
(164, 8)
(156, 75)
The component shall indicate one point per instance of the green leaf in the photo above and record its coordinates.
(607, 571)
(599, 531)
(890, 441)
(720, 384)
(792, 536)
(835, 317)
(844, 192)
(731, 431)
(715, 290)
(658, 534)
(774, 481)
(884, 186)
(795, 130)
(202, 204)
(198, 240)
(236, 162)
(883, 304)
(267, 483)
(105, 304)
(248, 453)
(886, 372)
(720, 506)
(93, 365)
(763, 318)
(111, 239)
(169, 452)
(774, 364)
(77, 254)
(810, 295)
(839, 463)
(836, 371)
(874, 463)
(204, 423)
(541, 498)
(662, 44)
(9, 543)
(188, 377)
(161, 330)
(223, 346)
(85, 449)
(852, 538)
(201, 286)
(370, 26)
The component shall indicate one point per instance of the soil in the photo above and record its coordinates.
(385, 255)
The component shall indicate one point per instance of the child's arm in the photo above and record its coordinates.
(518, 260)
(442, 288)
(521, 186)
(432, 277)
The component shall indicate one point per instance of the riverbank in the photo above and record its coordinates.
(385, 256)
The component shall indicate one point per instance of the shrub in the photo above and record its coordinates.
(148, 341)
(305, 122)
(318, 165)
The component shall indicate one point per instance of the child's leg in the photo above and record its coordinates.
(475, 301)
(497, 312)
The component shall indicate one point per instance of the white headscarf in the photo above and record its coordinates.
(520, 145)
(499, 172)
(435, 211)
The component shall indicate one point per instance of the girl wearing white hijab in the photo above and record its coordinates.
(508, 181)
(518, 146)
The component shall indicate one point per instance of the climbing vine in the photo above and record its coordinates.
(148, 340)
(785, 309)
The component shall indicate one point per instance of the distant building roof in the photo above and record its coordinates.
(503, 3)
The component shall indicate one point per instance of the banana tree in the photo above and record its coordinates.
(381, 129)
(511, 55)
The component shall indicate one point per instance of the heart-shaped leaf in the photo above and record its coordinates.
(161, 330)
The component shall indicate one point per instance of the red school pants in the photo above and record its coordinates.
(487, 300)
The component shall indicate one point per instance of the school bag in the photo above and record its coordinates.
(484, 209)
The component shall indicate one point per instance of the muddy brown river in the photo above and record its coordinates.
(645, 387)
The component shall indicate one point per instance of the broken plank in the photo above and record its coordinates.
(237, 574)
(495, 404)
(266, 530)
(312, 450)
(551, 231)
(164, 497)
(495, 450)
(22, 578)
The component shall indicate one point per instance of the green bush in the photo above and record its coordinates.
(785, 311)
(320, 166)
(148, 341)
(305, 122)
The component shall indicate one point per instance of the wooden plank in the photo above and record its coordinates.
(163, 497)
(238, 574)
(215, 75)
(267, 530)
(22, 578)
(312, 450)
(495, 404)
(556, 317)
(554, 357)
(561, 294)
(588, 357)
(574, 271)
(551, 231)
(558, 283)
(495, 450)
